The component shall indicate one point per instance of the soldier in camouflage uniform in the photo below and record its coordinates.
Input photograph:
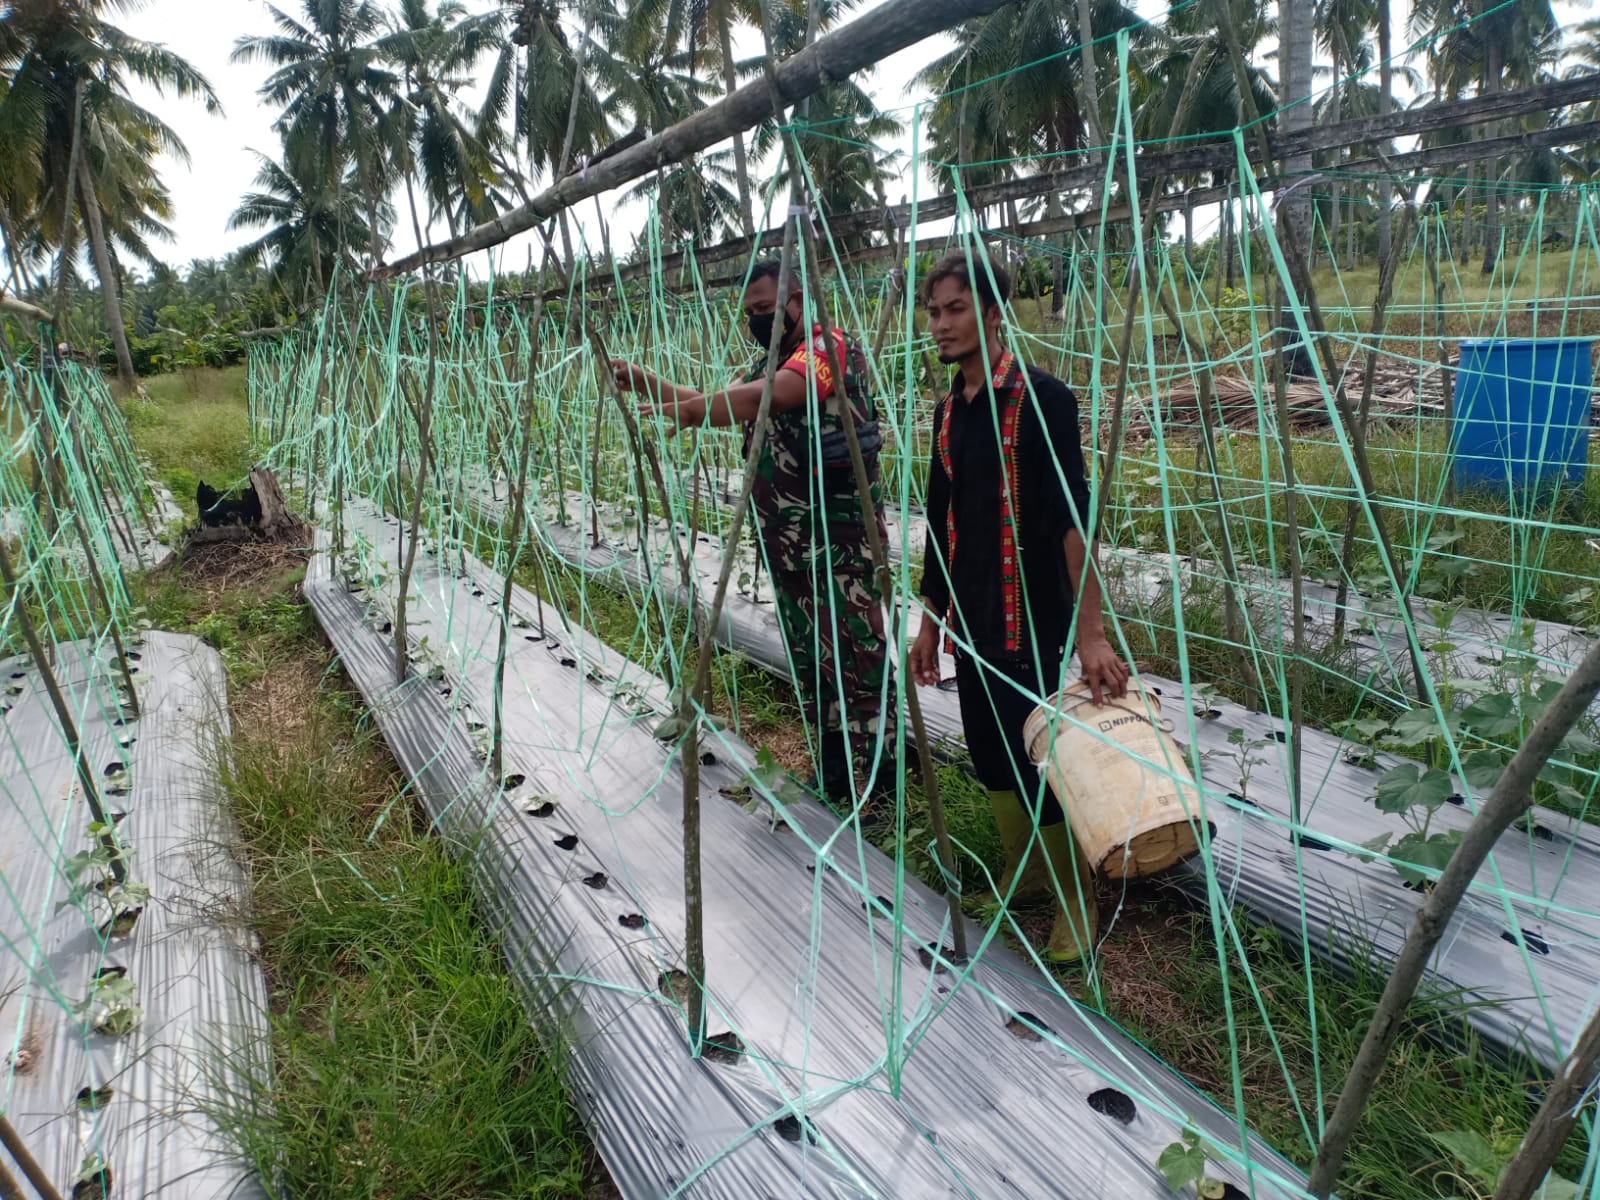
(809, 515)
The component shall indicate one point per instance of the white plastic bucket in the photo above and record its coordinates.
(1131, 818)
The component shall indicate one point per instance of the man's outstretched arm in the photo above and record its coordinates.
(686, 408)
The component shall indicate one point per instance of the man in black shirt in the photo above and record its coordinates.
(1008, 549)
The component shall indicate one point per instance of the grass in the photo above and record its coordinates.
(404, 1063)
(194, 426)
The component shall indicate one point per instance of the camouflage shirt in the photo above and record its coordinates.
(789, 483)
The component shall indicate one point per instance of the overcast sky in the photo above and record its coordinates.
(222, 164)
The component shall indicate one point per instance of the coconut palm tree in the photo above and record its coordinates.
(1192, 44)
(76, 152)
(1482, 44)
(539, 80)
(1011, 93)
(437, 53)
(310, 229)
(693, 199)
(338, 97)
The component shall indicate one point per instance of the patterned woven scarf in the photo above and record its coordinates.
(1007, 385)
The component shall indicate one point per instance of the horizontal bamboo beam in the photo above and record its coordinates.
(1193, 157)
(1428, 158)
(12, 307)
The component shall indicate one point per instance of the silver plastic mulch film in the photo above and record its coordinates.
(152, 1101)
(871, 1064)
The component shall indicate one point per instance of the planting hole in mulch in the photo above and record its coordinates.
(91, 1099)
(110, 973)
(568, 661)
(1312, 843)
(1530, 939)
(544, 808)
(1109, 1102)
(940, 958)
(98, 1188)
(597, 881)
(631, 920)
(512, 782)
(1026, 1027)
(567, 841)
(791, 1130)
(673, 984)
(113, 769)
(725, 1048)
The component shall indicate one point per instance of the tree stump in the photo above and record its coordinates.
(277, 523)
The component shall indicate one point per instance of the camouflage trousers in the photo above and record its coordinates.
(832, 618)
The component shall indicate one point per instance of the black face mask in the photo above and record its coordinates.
(761, 327)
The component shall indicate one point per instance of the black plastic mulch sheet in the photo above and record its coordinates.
(148, 1100)
(1522, 956)
(871, 1064)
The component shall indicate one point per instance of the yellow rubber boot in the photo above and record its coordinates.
(1032, 877)
(1078, 919)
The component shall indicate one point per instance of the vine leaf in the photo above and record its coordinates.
(1405, 787)
(1183, 1162)
(1433, 852)
(1493, 716)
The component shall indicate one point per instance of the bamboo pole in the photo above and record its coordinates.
(693, 700)
(31, 1170)
(1568, 1095)
(518, 498)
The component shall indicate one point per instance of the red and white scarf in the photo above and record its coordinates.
(1008, 388)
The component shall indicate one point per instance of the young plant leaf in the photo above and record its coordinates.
(1483, 768)
(1402, 788)
(1415, 726)
(1492, 716)
(1182, 1163)
(1473, 1153)
(1433, 852)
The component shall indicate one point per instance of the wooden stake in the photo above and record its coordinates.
(1553, 1123)
(31, 1170)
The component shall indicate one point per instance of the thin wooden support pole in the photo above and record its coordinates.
(69, 727)
(29, 1166)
